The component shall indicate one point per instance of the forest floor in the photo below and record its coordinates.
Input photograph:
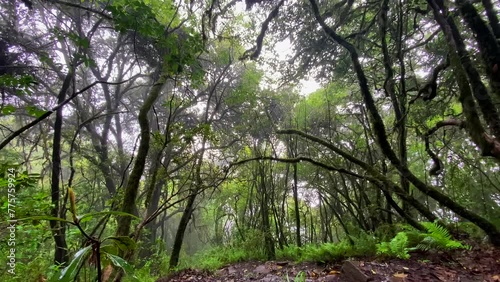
(478, 265)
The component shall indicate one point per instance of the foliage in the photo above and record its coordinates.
(436, 238)
(218, 257)
(397, 247)
(300, 277)
(96, 252)
(372, 127)
(362, 246)
(29, 260)
(142, 274)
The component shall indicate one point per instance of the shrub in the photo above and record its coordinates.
(364, 245)
(397, 247)
(436, 238)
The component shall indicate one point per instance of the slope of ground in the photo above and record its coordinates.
(481, 264)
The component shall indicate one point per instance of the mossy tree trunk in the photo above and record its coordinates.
(132, 188)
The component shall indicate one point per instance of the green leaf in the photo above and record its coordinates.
(70, 272)
(35, 111)
(46, 217)
(110, 249)
(8, 109)
(123, 264)
(88, 62)
(125, 243)
(90, 215)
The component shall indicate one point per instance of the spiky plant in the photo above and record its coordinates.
(438, 238)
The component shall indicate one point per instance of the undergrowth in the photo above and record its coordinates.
(362, 246)
(436, 238)
(218, 257)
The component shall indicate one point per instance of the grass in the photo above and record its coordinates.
(364, 245)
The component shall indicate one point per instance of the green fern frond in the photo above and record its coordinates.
(437, 230)
(438, 237)
(397, 247)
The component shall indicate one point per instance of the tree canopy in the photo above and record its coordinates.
(160, 129)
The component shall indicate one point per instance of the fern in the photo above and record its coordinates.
(438, 238)
(397, 247)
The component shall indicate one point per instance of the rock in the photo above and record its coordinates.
(352, 273)
(231, 270)
(330, 278)
(271, 278)
(262, 269)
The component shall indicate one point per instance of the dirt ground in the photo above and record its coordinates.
(477, 265)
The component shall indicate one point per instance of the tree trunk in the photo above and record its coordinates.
(296, 205)
(58, 227)
(132, 188)
(181, 230)
(264, 211)
(381, 135)
(188, 210)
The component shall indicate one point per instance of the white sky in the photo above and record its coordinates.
(284, 52)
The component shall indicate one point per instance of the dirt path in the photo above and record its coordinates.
(461, 266)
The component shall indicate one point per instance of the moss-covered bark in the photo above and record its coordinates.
(58, 228)
(132, 188)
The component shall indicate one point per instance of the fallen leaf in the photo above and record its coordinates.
(400, 275)
(334, 272)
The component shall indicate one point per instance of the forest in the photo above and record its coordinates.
(256, 140)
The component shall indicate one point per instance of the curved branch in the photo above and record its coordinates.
(309, 160)
(18, 132)
(429, 91)
(380, 132)
(379, 179)
(255, 52)
(437, 167)
(108, 17)
(380, 184)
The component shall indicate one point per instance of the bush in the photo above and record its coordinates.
(397, 247)
(364, 245)
(436, 238)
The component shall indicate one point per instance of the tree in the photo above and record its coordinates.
(354, 48)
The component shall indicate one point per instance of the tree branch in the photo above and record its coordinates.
(260, 39)
(437, 167)
(49, 112)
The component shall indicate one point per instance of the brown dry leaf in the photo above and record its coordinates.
(496, 278)
(400, 275)
(373, 271)
(333, 272)
(106, 274)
